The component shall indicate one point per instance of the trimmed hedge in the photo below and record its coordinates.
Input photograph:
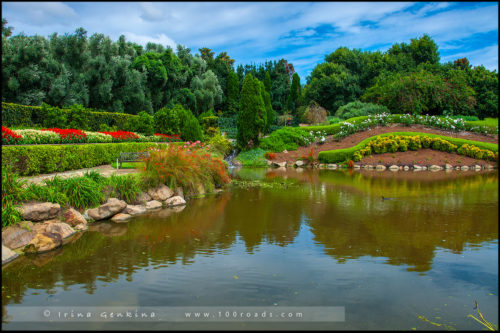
(30, 116)
(38, 159)
(341, 155)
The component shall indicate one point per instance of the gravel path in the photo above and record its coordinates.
(105, 170)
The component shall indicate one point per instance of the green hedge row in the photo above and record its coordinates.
(25, 115)
(40, 159)
(335, 128)
(341, 155)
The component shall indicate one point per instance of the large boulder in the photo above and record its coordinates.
(73, 217)
(121, 218)
(179, 192)
(134, 210)
(380, 167)
(299, 163)
(39, 211)
(111, 207)
(435, 168)
(43, 242)
(175, 201)
(394, 168)
(161, 192)
(279, 164)
(15, 236)
(8, 254)
(153, 204)
(61, 228)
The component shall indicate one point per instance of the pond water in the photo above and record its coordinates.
(316, 238)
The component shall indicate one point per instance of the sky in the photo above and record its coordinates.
(253, 32)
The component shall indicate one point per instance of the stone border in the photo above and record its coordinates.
(47, 227)
(299, 164)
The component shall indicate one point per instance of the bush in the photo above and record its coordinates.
(186, 167)
(125, 187)
(191, 129)
(315, 114)
(144, 124)
(33, 160)
(54, 117)
(252, 158)
(220, 144)
(388, 142)
(167, 121)
(357, 108)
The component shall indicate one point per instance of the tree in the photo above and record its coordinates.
(294, 94)
(270, 115)
(250, 122)
(233, 91)
(267, 82)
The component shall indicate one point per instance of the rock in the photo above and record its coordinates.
(464, 168)
(417, 167)
(134, 210)
(477, 167)
(332, 166)
(73, 217)
(285, 151)
(8, 254)
(121, 218)
(394, 168)
(299, 163)
(357, 166)
(142, 198)
(161, 192)
(237, 163)
(489, 167)
(279, 164)
(269, 163)
(81, 227)
(175, 201)
(111, 207)
(43, 242)
(60, 228)
(424, 168)
(153, 205)
(448, 166)
(15, 237)
(39, 211)
(406, 168)
(457, 167)
(380, 167)
(179, 192)
(435, 167)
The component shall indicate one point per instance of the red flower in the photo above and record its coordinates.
(122, 135)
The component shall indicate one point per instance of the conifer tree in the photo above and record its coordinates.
(251, 116)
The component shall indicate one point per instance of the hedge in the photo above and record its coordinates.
(341, 155)
(30, 116)
(335, 128)
(40, 159)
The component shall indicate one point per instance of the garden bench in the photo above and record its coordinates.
(130, 157)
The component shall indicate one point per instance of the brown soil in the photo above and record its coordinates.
(422, 157)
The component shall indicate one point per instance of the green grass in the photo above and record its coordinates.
(488, 122)
(340, 155)
(252, 158)
(128, 165)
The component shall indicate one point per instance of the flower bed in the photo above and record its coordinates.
(58, 136)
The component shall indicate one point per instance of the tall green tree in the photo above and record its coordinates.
(267, 82)
(294, 94)
(251, 116)
(233, 92)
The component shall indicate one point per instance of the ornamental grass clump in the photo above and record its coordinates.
(183, 166)
(12, 194)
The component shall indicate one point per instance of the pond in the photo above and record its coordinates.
(311, 240)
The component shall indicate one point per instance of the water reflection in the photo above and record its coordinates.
(343, 213)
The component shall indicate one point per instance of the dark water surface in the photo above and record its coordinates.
(325, 238)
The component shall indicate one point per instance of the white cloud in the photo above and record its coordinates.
(41, 13)
(150, 12)
(144, 39)
(488, 57)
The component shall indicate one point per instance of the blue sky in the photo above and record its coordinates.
(252, 32)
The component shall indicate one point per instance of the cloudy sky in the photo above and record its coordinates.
(252, 32)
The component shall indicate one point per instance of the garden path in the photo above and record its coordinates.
(105, 170)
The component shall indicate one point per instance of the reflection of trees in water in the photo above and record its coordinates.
(344, 212)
